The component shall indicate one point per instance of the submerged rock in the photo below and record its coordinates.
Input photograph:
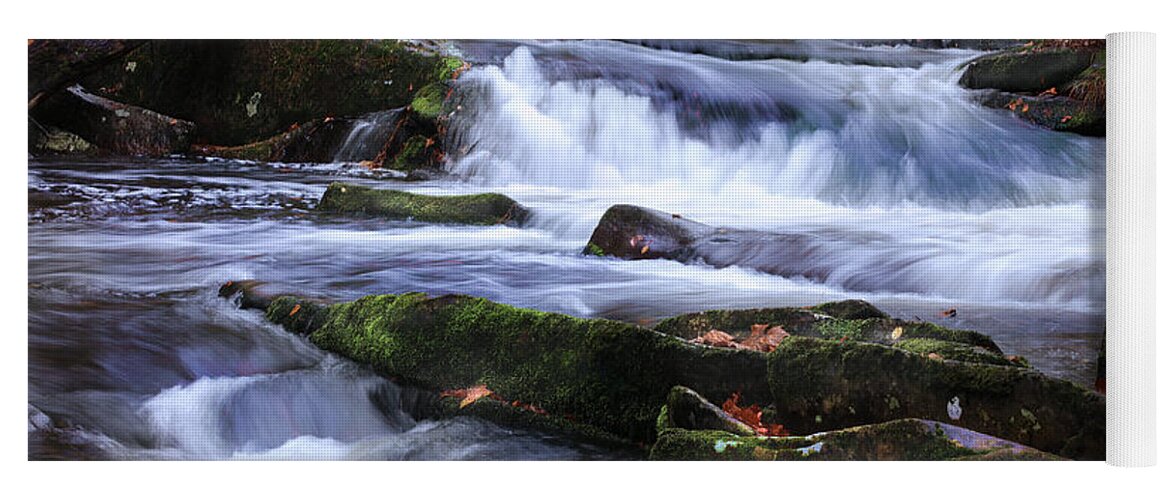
(115, 127)
(478, 209)
(820, 385)
(906, 439)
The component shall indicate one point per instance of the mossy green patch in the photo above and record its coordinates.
(428, 101)
(603, 373)
(906, 439)
(952, 350)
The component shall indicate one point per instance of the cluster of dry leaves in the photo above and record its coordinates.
(762, 338)
(751, 417)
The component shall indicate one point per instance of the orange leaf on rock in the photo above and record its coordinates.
(296, 307)
(765, 339)
(469, 395)
(751, 417)
(716, 338)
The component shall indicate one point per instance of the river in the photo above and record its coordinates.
(924, 200)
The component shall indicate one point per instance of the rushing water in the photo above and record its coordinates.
(923, 200)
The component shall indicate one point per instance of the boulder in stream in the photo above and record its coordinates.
(476, 209)
(820, 385)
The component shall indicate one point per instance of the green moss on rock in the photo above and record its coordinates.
(953, 350)
(602, 373)
(859, 321)
(428, 101)
(477, 209)
(905, 439)
(820, 385)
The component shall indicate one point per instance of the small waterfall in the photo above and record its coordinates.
(367, 135)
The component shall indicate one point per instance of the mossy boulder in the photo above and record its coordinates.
(905, 439)
(823, 384)
(1027, 69)
(115, 127)
(242, 91)
(858, 321)
(601, 373)
(476, 209)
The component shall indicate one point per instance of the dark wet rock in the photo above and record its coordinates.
(634, 233)
(820, 385)
(1059, 85)
(56, 64)
(243, 91)
(1027, 70)
(1054, 112)
(687, 409)
(906, 439)
(477, 209)
(114, 127)
(858, 321)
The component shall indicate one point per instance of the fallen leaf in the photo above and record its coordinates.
(296, 307)
(950, 313)
(935, 356)
(469, 395)
(645, 249)
(898, 332)
(716, 338)
(1050, 91)
(750, 416)
(765, 339)
(1066, 118)
(1025, 109)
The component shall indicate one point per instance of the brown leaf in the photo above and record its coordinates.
(935, 356)
(469, 395)
(296, 308)
(765, 339)
(716, 338)
(750, 416)
(950, 313)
